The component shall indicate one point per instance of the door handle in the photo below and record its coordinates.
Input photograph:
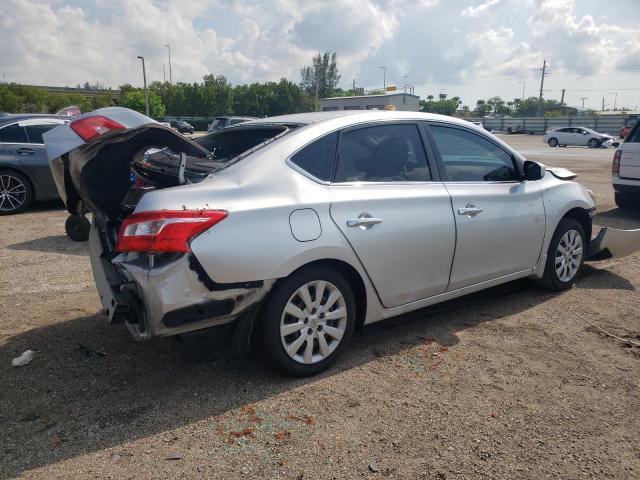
(470, 210)
(25, 151)
(365, 221)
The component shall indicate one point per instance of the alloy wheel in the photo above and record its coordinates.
(13, 193)
(568, 255)
(313, 322)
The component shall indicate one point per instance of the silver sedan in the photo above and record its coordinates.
(301, 228)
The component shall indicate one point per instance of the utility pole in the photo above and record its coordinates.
(169, 49)
(544, 72)
(146, 92)
(524, 84)
(562, 98)
(583, 99)
(405, 83)
(384, 79)
(603, 104)
(354, 85)
(615, 100)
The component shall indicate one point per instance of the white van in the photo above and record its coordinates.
(625, 171)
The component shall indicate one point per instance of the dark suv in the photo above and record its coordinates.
(184, 127)
(25, 175)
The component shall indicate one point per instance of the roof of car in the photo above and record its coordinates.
(357, 115)
(14, 117)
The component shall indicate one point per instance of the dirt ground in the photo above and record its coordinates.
(507, 383)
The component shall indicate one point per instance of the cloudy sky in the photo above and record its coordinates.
(470, 48)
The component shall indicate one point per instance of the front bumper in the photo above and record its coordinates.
(612, 242)
(165, 297)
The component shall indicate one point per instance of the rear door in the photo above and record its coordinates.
(499, 217)
(630, 155)
(33, 155)
(386, 200)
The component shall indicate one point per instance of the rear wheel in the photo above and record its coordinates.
(565, 256)
(593, 143)
(553, 142)
(307, 321)
(625, 201)
(16, 192)
(77, 228)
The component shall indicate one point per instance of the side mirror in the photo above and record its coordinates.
(533, 170)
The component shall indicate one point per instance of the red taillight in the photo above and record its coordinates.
(615, 166)
(92, 127)
(165, 230)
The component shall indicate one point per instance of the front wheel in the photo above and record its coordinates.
(593, 143)
(565, 256)
(553, 142)
(307, 321)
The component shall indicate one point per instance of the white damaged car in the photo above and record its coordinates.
(299, 229)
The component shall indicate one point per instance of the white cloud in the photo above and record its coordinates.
(480, 9)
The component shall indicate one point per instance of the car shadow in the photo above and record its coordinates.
(593, 277)
(618, 218)
(44, 206)
(68, 403)
(54, 244)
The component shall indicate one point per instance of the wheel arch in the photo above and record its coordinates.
(353, 277)
(582, 216)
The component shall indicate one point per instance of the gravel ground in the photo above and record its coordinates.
(506, 383)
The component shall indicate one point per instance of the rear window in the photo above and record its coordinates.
(634, 136)
(229, 143)
(317, 157)
(34, 132)
(13, 134)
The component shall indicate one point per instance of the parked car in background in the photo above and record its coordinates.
(184, 127)
(350, 218)
(580, 136)
(222, 122)
(629, 123)
(625, 170)
(25, 175)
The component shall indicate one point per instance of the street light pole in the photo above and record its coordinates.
(169, 49)
(164, 74)
(615, 100)
(384, 79)
(583, 99)
(524, 84)
(146, 92)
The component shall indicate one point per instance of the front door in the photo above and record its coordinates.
(397, 220)
(500, 219)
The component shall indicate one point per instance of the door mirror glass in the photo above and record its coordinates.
(533, 170)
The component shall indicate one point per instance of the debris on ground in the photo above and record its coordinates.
(24, 359)
(89, 352)
(174, 456)
(373, 466)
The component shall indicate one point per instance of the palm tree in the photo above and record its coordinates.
(430, 98)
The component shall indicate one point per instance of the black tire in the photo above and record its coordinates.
(268, 340)
(550, 279)
(625, 201)
(11, 201)
(77, 228)
(593, 143)
(553, 142)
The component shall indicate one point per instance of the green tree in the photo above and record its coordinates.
(322, 76)
(134, 99)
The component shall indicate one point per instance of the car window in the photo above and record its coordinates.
(634, 135)
(237, 120)
(317, 157)
(13, 134)
(386, 153)
(34, 132)
(467, 157)
(563, 130)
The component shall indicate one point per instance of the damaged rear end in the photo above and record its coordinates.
(145, 271)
